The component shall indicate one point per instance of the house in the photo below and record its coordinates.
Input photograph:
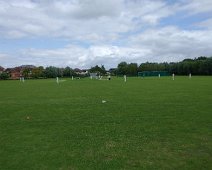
(84, 72)
(30, 67)
(1, 69)
(77, 70)
(15, 73)
(81, 72)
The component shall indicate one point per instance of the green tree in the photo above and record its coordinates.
(4, 76)
(132, 69)
(51, 72)
(67, 72)
(122, 68)
(26, 72)
(37, 72)
(103, 71)
(97, 69)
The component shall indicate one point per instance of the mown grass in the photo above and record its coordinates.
(148, 123)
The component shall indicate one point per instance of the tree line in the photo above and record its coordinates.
(198, 66)
(51, 72)
(41, 72)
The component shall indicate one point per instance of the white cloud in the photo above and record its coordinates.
(76, 56)
(114, 31)
(171, 41)
(154, 45)
(206, 24)
(150, 11)
(77, 17)
(197, 6)
(89, 9)
(2, 56)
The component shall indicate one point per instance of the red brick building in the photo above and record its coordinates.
(16, 73)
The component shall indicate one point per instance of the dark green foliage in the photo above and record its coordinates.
(37, 72)
(26, 72)
(68, 72)
(52, 72)
(198, 66)
(127, 69)
(132, 69)
(122, 68)
(100, 70)
(103, 69)
(4, 76)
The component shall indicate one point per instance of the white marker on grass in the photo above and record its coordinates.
(173, 76)
(125, 78)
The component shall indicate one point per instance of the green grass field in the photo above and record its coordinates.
(148, 123)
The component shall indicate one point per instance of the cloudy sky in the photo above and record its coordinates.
(83, 33)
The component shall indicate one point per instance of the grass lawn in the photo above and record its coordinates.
(148, 123)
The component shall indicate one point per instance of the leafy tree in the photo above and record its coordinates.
(60, 72)
(51, 72)
(38, 72)
(198, 66)
(122, 68)
(4, 76)
(202, 58)
(103, 71)
(67, 72)
(132, 69)
(26, 72)
(97, 69)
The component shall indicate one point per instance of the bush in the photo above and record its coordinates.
(4, 76)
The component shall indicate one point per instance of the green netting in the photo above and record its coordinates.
(153, 73)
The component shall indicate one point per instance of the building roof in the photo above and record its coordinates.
(1, 68)
(27, 66)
